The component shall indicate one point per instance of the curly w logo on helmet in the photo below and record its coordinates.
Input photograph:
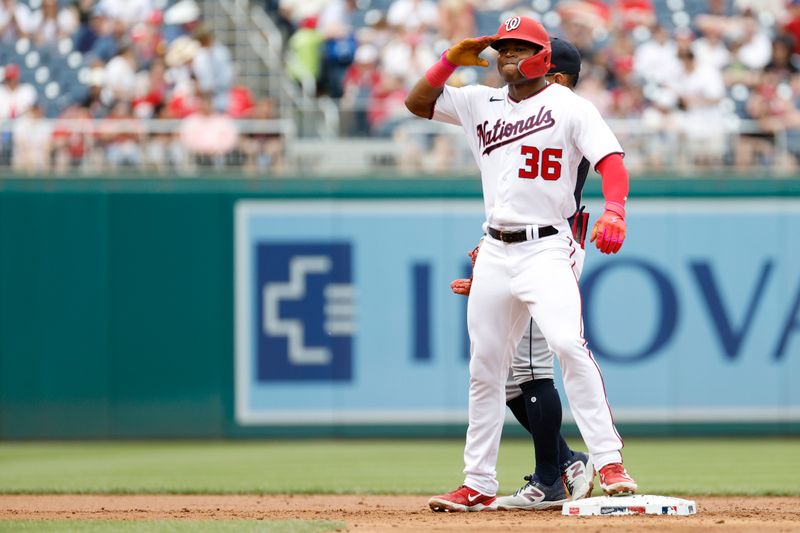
(512, 23)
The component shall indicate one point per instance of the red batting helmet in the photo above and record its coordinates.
(529, 30)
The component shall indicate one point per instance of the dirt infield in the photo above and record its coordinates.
(399, 513)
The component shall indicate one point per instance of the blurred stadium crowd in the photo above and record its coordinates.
(685, 83)
(124, 63)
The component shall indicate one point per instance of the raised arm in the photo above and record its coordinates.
(423, 95)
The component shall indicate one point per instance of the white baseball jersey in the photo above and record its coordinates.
(528, 151)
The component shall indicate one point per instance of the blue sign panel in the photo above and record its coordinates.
(305, 313)
(344, 312)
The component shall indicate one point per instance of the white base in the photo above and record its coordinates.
(629, 505)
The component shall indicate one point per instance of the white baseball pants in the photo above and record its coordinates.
(512, 283)
(533, 358)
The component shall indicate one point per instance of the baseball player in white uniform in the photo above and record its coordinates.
(528, 139)
(530, 391)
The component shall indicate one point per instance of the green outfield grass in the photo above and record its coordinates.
(671, 466)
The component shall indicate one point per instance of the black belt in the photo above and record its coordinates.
(520, 235)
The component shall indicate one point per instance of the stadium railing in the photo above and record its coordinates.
(410, 147)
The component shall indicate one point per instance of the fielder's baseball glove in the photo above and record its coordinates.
(463, 286)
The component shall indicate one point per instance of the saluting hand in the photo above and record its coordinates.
(467, 52)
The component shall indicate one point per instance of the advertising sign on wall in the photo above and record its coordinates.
(344, 313)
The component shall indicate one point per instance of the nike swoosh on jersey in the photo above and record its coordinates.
(493, 99)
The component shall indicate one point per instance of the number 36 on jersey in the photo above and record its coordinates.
(544, 163)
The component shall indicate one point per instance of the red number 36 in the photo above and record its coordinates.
(546, 164)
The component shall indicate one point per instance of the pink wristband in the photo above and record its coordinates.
(616, 207)
(441, 70)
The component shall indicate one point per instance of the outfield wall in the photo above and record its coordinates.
(218, 308)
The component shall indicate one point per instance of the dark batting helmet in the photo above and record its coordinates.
(528, 30)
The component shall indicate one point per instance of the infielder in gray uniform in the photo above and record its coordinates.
(530, 392)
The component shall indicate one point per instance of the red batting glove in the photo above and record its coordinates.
(609, 230)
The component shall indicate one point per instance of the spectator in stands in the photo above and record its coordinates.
(180, 19)
(362, 78)
(457, 19)
(263, 151)
(148, 39)
(628, 14)
(151, 91)
(793, 120)
(92, 26)
(773, 105)
(671, 96)
(710, 49)
(240, 102)
(376, 30)
(32, 142)
(339, 46)
(304, 55)
(163, 150)
(285, 26)
(656, 59)
(736, 73)
(208, 135)
(121, 137)
(776, 9)
(120, 74)
(791, 23)
(386, 107)
(627, 101)
(584, 22)
(15, 21)
(782, 60)
(700, 90)
(296, 11)
(593, 88)
(415, 15)
(718, 8)
(112, 33)
(618, 57)
(335, 18)
(97, 101)
(184, 100)
(16, 98)
(407, 56)
(51, 24)
(756, 48)
(213, 67)
(129, 12)
(71, 144)
(659, 119)
(83, 10)
(684, 40)
(179, 74)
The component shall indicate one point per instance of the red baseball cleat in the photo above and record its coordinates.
(615, 481)
(462, 499)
